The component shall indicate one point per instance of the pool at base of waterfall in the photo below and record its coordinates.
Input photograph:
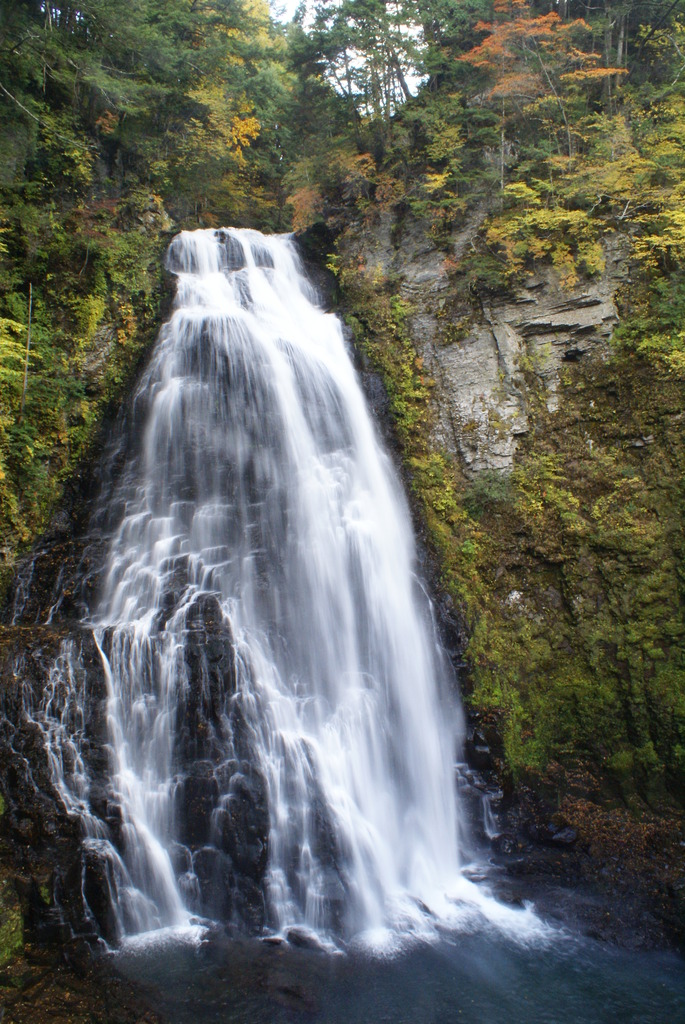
(476, 978)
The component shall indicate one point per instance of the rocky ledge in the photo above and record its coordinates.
(478, 348)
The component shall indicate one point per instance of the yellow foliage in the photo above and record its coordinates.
(243, 131)
(667, 245)
(222, 130)
(567, 237)
(675, 360)
(88, 313)
(434, 182)
(522, 193)
(12, 352)
(445, 143)
(592, 74)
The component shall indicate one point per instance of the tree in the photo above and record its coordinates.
(529, 59)
(370, 50)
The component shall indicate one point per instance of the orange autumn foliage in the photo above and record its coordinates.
(547, 42)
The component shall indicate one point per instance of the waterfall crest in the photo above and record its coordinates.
(281, 749)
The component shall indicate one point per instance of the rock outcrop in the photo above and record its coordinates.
(478, 348)
(56, 773)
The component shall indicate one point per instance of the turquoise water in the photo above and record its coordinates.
(465, 979)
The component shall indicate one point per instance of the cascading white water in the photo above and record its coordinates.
(263, 635)
(261, 468)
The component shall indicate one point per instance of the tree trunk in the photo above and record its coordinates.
(621, 47)
(501, 151)
(402, 80)
(28, 350)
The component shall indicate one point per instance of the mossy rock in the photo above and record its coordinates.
(11, 923)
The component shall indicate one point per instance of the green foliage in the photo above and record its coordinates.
(488, 490)
(368, 49)
(110, 116)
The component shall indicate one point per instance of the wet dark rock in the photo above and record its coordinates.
(197, 796)
(326, 845)
(504, 843)
(242, 735)
(45, 843)
(97, 891)
(539, 833)
(334, 891)
(113, 818)
(39, 840)
(235, 258)
(609, 893)
(303, 939)
(58, 578)
(209, 655)
(175, 583)
(181, 858)
(477, 751)
(262, 256)
(547, 833)
(215, 876)
(376, 395)
(249, 905)
(242, 823)
(564, 836)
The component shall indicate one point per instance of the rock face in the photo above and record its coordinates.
(55, 774)
(40, 841)
(476, 349)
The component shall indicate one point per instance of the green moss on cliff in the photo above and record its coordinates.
(596, 565)
(568, 572)
(11, 923)
(95, 299)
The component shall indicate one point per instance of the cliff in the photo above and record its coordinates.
(491, 355)
(546, 460)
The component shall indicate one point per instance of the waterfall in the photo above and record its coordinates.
(280, 733)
